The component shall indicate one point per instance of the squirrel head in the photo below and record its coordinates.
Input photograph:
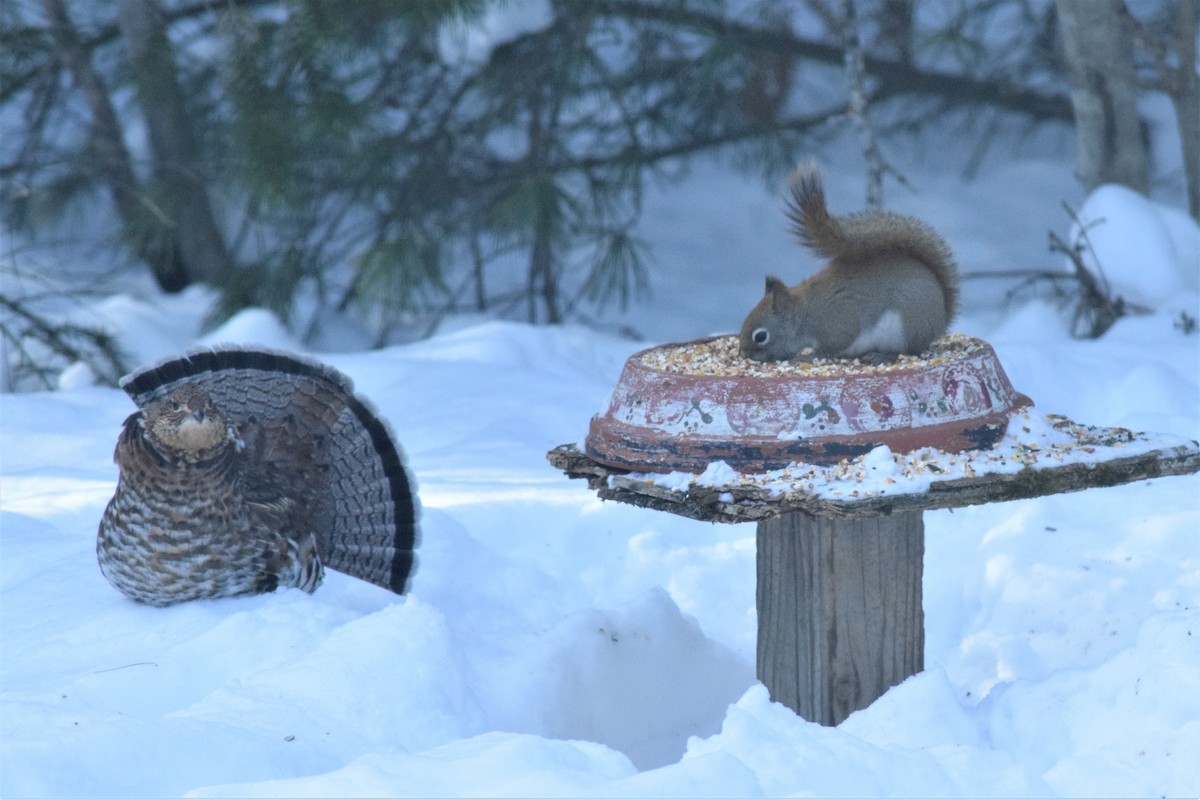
(773, 330)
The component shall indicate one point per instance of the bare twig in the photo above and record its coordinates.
(26, 335)
(1097, 308)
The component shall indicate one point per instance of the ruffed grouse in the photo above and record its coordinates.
(247, 470)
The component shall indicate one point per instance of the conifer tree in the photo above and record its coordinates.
(352, 154)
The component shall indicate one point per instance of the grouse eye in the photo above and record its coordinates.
(761, 336)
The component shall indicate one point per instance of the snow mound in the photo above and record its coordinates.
(1148, 252)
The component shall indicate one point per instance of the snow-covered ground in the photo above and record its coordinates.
(555, 645)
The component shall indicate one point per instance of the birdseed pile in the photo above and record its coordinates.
(721, 357)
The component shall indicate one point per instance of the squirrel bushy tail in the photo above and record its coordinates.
(856, 237)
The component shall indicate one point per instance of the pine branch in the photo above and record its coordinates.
(896, 78)
(107, 34)
(74, 343)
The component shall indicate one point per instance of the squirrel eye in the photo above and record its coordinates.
(761, 336)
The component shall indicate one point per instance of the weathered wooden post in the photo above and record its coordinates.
(840, 531)
(839, 609)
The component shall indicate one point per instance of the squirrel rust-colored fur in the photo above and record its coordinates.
(890, 286)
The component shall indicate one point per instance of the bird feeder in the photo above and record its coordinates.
(836, 461)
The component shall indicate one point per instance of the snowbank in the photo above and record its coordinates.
(554, 645)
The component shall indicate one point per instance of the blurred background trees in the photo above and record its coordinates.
(398, 160)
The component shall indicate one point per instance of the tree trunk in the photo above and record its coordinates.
(856, 78)
(112, 158)
(541, 256)
(1186, 98)
(1098, 45)
(181, 199)
(543, 272)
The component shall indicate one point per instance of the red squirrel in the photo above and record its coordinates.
(890, 286)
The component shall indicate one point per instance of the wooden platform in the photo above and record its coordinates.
(749, 501)
(841, 550)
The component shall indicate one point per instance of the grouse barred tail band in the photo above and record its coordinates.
(311, 460)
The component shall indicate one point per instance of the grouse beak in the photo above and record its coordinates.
(198, 415)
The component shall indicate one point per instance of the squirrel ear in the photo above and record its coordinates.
(776, 286)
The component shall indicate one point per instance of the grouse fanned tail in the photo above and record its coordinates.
(245, 470)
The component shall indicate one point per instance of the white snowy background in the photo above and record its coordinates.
(555, 645)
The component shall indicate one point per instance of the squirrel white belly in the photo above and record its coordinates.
(890, 286)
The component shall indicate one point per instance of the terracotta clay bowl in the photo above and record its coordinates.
(683, 406)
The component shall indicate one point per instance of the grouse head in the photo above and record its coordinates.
(186, 424)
